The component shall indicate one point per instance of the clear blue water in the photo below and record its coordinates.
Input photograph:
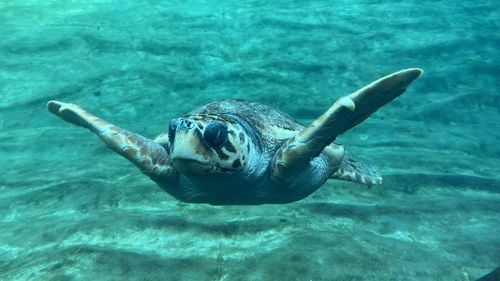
(70, 209)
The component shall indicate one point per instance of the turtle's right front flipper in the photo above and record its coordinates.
(343, 115)
(149, 156)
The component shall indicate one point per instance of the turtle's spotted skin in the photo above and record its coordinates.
(239, 152)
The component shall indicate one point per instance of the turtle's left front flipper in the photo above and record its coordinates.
(343, 115)
(149, 156)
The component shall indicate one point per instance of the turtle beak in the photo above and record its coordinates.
(189, 155)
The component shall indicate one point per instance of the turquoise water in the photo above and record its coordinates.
(73, 210)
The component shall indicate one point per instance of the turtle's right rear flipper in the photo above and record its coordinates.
(356, 171)
(146, 154)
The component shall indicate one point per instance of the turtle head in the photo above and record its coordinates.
(202, 145)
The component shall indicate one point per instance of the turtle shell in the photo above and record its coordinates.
(268, 124)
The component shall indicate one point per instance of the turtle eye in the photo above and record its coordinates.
(172, 127)
(215, 134)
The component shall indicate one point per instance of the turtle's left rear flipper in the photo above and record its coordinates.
(146, 154)
(344, 114)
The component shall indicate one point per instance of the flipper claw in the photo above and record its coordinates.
(69, 112)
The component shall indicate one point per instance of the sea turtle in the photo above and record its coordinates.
(239, 152)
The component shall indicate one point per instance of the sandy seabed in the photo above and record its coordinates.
(72, 210)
